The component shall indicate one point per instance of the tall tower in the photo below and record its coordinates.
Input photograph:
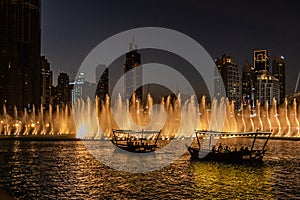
(20, 38)
(133, 76)
(230, 75)
(278, 67)
(63, 90)
(102, 85)
(261, 61)
(248, 83)
(46, 83)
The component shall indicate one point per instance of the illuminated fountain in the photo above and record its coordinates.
(44, 123)
(96, 120)
(282, 120)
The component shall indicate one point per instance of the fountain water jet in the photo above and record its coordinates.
(96, 119)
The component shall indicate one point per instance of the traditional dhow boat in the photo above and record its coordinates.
(143, 141)
(207, 151)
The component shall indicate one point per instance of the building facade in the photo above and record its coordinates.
(261, 61)
(103, 83)
(77, 87)
(63, 91)
(267, 88)
(266, 85)
(248, 84)
(20, 38)
(230, 75)
(279, 72)
(46, 83)
(133, 73)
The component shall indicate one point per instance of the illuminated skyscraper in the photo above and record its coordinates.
(133, 76)
(248, 83)
(267, 88)
(63, 91)
(266, 85)
(78, 87)
(46, 83)
(230, 75)
(261, 61)
(102, 81)
(20, 30)
(279, 73)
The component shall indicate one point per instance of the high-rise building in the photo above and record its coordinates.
(278, 68)
(77, 87)
(133, 76)
(266, 85)
(230, 75)
(46, 83)
(267, 88)
(248, 83)
(63, 92)
(261, 61)
(99, 71)
(20, 38)
(81, 89)
(103, 83)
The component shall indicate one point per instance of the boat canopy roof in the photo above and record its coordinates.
(136, 132)
(232, 134)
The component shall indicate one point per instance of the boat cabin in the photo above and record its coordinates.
(143, 141)
(207, 148)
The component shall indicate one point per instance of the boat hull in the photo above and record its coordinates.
(235, 156)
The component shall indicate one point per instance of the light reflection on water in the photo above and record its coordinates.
(65, 170)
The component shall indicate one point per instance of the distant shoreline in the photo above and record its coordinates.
(73, 138)
(39, 137)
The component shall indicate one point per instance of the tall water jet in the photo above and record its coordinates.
(294, 119)
(203, 114)
(268, 116)
(244, 127)
(274, 116)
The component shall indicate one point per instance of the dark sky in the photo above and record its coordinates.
(72, 28)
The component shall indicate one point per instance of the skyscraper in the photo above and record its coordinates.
(77, 87)
(261, 61)
(230, 75)
(267, 88)
(63, 92)
(46, 83)
(20, 53)
(266, 85)
(133, 76)
(278, 68)
(102, 85)
(248, 83)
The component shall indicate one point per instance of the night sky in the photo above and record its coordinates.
(72, 28)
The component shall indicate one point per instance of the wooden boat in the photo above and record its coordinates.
(143, 141)
(207, 151)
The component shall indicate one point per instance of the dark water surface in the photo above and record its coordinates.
(66, 170)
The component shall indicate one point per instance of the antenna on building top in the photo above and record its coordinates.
(132, 45)
(297, 82)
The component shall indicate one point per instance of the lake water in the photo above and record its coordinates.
(66, 170)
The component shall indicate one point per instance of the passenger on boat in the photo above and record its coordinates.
(227, 150)
(213, 149)
(246, 149)
(220, 148)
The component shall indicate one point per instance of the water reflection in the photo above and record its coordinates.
(66, 170)
(219, 180)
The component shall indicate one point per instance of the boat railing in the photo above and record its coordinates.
(131, 134)
(209, 134)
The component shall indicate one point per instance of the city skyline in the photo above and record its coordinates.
(238, 28)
